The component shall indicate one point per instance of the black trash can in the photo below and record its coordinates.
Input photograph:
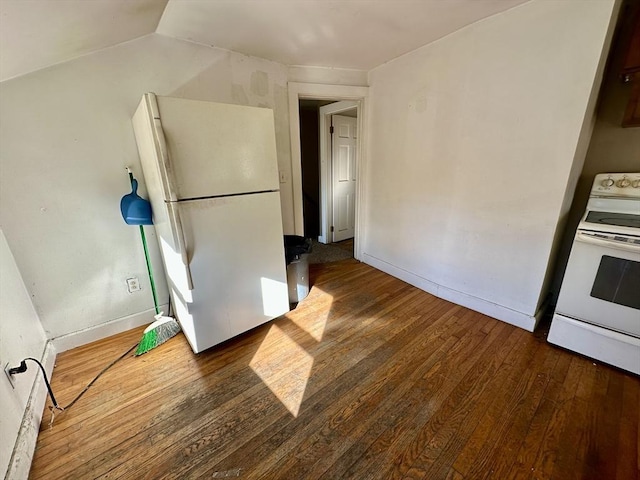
(296, 252)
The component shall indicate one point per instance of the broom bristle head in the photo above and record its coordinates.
(157, 333)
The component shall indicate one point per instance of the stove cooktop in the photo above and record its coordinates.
(613, 218)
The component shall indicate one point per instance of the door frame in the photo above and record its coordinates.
(317, 91)
(326, 165)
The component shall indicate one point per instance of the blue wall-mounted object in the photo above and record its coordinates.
(135, 209)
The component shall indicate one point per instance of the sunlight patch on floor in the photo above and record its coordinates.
(314, 325)
(284, 367)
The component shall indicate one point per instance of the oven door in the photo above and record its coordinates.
(602, 282)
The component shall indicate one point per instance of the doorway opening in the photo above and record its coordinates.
(328, 196)
(326, 144)
(328, 147)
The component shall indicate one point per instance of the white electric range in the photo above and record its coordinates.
(598, 309)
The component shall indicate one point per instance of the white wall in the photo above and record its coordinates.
(66, 137)
(21, 335)
(326, 75)
(612, 148)
(472, 147)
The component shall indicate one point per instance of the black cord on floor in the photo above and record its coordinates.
(23, 367)
(98, 376)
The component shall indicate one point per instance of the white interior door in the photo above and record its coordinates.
(326, 181)
(343, 173)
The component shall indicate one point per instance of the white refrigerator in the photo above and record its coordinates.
(212, 177)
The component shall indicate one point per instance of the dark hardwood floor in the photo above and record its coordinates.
(369, 378)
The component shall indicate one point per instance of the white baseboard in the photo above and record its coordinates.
(513, 317)
(104, 330)
(25, 445)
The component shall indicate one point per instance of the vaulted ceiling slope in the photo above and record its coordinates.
(35, 34)
(357, 34)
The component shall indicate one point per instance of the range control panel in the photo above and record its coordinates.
(616, 185)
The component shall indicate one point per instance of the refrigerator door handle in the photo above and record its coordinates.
(164, 161)
(162, 152)
(179, 239)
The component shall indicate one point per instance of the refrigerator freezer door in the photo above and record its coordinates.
(235, 251)
(217, 149)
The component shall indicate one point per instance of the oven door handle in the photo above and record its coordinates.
(586, 238)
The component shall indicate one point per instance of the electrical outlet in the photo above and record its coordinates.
(10, 377)
(133, 284)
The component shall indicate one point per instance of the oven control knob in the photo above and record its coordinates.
(607, 183)
(624, 183)
(635, 184)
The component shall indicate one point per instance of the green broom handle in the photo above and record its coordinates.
(146, 257)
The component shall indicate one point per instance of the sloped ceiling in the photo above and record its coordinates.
(333, 33)
(37, 33)
(358, 34)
